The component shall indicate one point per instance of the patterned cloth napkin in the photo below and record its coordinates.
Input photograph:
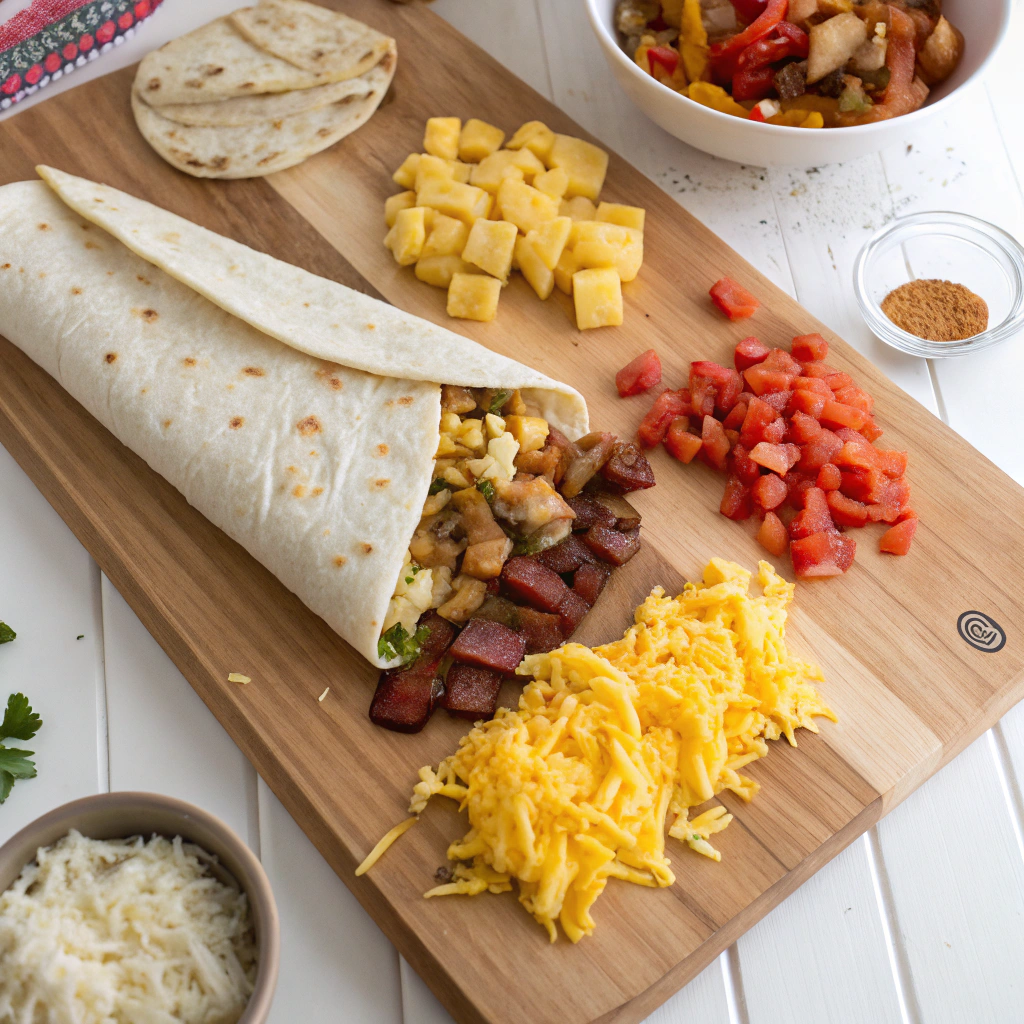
(50, 38)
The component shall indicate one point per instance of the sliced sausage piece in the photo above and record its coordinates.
(571, 612)
(625, 516)
(612, 546)
(627, 469)
(488, 644)
(440, 635)
(589, 581)
(533, 583)
(406, 697)
(542, 631)
(567, 556)
(590, 510)
(471, 692)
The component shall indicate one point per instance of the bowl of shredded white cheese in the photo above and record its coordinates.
(132, 907)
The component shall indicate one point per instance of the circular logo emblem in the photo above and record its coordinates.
(981, 632)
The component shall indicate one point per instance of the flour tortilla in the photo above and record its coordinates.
(253, 150)
(216, 62)
(299, 416)
(311, 37)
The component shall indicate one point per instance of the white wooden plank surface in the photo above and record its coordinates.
(865, 939)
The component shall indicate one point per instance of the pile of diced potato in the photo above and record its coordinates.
(474, 211)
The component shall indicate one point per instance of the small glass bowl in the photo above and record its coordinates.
(951, 247)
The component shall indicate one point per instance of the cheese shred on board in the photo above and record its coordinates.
(608, 745)
(104, 931)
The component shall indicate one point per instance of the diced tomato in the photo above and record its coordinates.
(809, 402)
(816, 368)
(733, 436)
(665, 57)
(729, 393)
(749, 352)
(820, 449)
(736, 502)
(743, 466)
(681, 444)
(829, 477)
(854, 455)
(845, 511)
(838, 381)
(809, 348)
(907, 513)
(706, 368)
(736, 416)
(639, 374)
(702, 395)
(867, 485)
(667, 406)
(770, 491)
(822, 555)
(889, 505)
(773, 536)
(762, 380)
(815, 384)
(798, 485)
(802, 428)
(815, 516)
(896, 540)
(760, 416)
(871, 430)
(778, 400)
(779, 359)
(779, 458)
(855, 396)
(735, 302)
(715, 446)
(835, 415)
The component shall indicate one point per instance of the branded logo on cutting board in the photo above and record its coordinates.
(981, 632)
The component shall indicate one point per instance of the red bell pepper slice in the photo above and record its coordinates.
(753, 83)
(749, 10)
(667, 58)
(723, 55)
(757, 115)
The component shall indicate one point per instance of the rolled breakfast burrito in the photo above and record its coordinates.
(383, 468)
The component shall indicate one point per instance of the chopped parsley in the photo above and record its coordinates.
(20, 722)
(499, 399)
(486, 488)
(397, 643)
(438, 485)
(697, 837)
(6, 633)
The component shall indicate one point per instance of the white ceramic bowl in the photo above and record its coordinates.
(983, 22)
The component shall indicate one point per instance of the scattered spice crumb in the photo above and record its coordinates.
(80, 636)
(324, 694)
(936, 310)
(237, 677)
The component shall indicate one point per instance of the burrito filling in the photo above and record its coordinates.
(520, 532)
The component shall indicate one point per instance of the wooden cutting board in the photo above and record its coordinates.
(909, 690)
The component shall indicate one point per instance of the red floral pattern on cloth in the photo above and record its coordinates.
(50, 38)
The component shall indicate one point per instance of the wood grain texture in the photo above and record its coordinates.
(910, 692)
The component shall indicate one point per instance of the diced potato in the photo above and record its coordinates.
(617, 213)
(493, 169)
(584, 162)
(474, 296)
(567, 266)
(460, 171)
(432, 168)
(833, 43)
(530, 431)
(479, 139)
(503, 450)
(597, 295)
(454, 199)
(941, 53)
(402, 201)
(549, 240)
(578, 208)
(588, 238)
(534, 136)
(525, 206)
(490, 246)
(595, 252)
(540, 278)
(495, 213)
(442, 137)
(553, 182)
(447, 237)
(408, 235)
(406, 174)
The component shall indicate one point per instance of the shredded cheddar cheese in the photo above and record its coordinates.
(382, 846)
(576, 785)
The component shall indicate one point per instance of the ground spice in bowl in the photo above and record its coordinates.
(936, 310)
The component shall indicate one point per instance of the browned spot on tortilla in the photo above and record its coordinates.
(387, 60)
(76, 291)
(166, 423)
(236, 422)
(110, 273)
(111, 357)
(189, 361)
(247, 85)
(42, 273)
(317, 491)
(268, 158)
(44, 227)
(85, 227)
(171, 236)
(5, 266)
(91, 245)
(382, 450)
(339, 560)
(253, 371)
(314, 452)
(95, 199)
(366, 56)
(212, 69)
(371, 327)
(323, 132)
(149, 315)
(143, 391)
(309, 426)
(406, 400)
(144, 280)
(367, 548)
(153, 84)
(381, 484)
(231, 387)
(293, 469)
(194, 83)
(299, 491)
(333, 382)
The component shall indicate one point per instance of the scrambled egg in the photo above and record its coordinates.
(576, 785)
(413, 595)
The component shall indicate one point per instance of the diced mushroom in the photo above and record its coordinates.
(477, 518)
(791, 81)
(469, 595)
(433, 543)
(500, 609)
(457, 399)
(436, 502)
(485, 559)
(941, 53)
(540, 463)
(594, 451)
(529, 504)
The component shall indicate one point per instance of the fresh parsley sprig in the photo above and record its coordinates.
(20, 722)
(397, 643)
(6, 633)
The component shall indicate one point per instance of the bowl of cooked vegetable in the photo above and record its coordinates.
(806, 82)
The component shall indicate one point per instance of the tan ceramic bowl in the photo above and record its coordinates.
(119, 815)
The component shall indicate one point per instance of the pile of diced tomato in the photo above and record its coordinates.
(796, 437)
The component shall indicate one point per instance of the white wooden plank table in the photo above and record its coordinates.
(922, 920)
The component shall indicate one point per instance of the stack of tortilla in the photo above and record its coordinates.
(261, 89)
